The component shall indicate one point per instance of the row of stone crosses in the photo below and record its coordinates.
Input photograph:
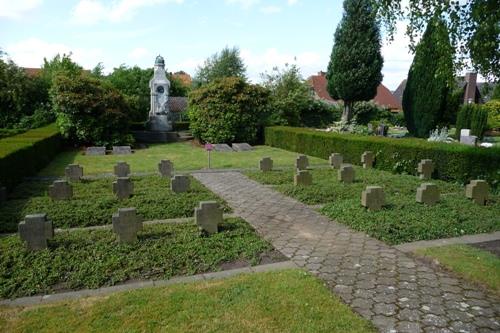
(373, 197)
(36, 229)
(123, 187)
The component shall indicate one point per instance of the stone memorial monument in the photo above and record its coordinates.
(126, 225)
(477, 190)
(122, 150)
(336, 160)
(95, 151)
(208, 216)
(428, 193)
(35, 230)
(60, 190)
(373, 198)
(160, 117)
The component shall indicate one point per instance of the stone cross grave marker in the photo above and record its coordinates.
(208, 216)
(35, 230)
(428, 193)
(123, 187)
(60, 190)
(367, 159)
(241, 147)
(336, 160)
(477, 190)
(346, 173)
(122, 169)
(3, 194)
(373, 198)
(166, 168)
(425, 169)
(301, 162)
(180, 184)
(74, 172)
(266, 164)
(302, 178)
(122, 150)
(126, 225)
(95, 151)
(222, 147)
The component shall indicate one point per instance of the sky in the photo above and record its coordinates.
(268, 33)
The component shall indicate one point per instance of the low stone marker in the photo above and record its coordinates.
(373, 198)
(60, 190)
(35, 230)
(302, 178)
(123, 187)
(222, 147)
(428, 193)
(336, 160)
(241, 147)
(208, 216)
(266, 164)
(74, 172)
(122, 169)
(3, 194)
(467, 138)
(425, 169)
(126, 225)
(346, 173)
(95, 151)
(180, 184)
(166, 168)
(367, 159)
(477, 190)
(301, 162)
(122, 150)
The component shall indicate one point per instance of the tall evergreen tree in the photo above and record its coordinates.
(354, 72)
(430, 81)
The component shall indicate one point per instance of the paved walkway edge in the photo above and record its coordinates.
(469, 239)
(71, 295)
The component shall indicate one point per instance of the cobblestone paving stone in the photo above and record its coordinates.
(390, 288)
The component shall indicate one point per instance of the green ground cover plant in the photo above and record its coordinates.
(184, 155)
(94, 203)
(473, 264)
(265, 302)
(91, 259)
(402, 219)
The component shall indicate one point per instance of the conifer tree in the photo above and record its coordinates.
(354, 72)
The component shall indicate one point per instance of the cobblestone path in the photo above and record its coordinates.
(393, 290)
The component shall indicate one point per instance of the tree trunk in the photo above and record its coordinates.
(347, 114)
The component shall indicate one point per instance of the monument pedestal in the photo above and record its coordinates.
(160, 123)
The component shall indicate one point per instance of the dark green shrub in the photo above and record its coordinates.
(25, 154)
(474, 117)
(493, 109)
(364, 112)
(227, 110)
(181, 126)
(453, 162)
(90, 111)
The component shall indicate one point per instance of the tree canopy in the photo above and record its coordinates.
(227, 63)
(354, 71)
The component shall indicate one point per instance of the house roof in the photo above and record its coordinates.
(184, 77)
(398, 93)
(177, 104)
(384, 96)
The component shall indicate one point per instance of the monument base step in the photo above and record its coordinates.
(160, 137)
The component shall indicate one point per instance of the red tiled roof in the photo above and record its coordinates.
(383, 98)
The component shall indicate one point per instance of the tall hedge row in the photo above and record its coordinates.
(453, 162)
(25, 154)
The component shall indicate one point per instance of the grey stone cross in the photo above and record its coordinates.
(166, 168)
(122, 169)
(266, 164)
(336, 160)
(367, 159)
(208, 216)
(123, 187)
(302, 178)
(126, 225)
(180, 184)
(60, 190)
(74, 172)
(35, 230)
(346, 173)
(373, 198)
(428, 193)
(477, 190)
(301, 162)
(425, 169)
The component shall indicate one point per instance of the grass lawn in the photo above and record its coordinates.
(94, 203)
(286, 301)
(473, 264)
(91, 259)
(184, 155)
(403, 219)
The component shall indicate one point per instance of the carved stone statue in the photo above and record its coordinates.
(159, 114)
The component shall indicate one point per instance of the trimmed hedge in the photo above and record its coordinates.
(453, 162)
(25, 154)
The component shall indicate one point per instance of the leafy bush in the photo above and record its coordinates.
(6, 132)
(25, 154)
(227, 110)
(90, 111)
(227, 63)
(366, 112)
(474, 117)
(493, 109)
(453, 161)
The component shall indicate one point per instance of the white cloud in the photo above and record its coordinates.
(15, 8)
(292, 2)
(246, 4)
(30, 53)
(270, 9)
(139, 53)
(92, 11)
